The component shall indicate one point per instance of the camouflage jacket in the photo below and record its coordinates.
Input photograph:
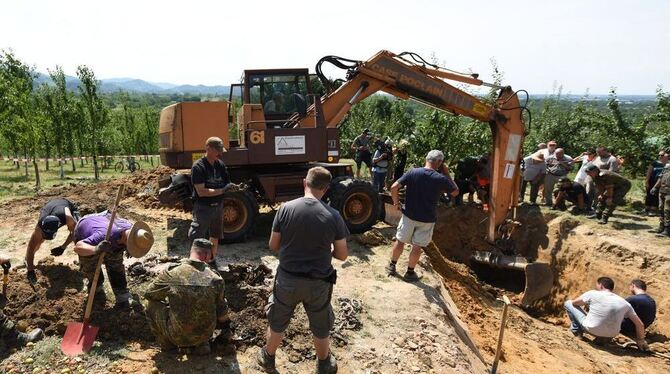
(606, 179)
(664, 187)
(195, 296)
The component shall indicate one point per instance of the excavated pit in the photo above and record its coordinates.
(60, 297)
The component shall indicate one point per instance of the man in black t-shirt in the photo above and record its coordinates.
(573, 192)
(643, 304)
(210, 180)
(54, 214)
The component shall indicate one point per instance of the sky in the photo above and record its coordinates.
(581, 46)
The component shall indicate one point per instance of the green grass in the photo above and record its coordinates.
(14, 184)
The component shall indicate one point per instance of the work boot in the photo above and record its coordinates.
(410, 276)
(665, 233)
(327, 366)
(128, 304)
(603, 219)
(21, 339)
(596, 215)
(600, 341)
(266, 361)
(390, 269)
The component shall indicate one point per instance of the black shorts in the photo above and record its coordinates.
(363, 158)
(207, 220)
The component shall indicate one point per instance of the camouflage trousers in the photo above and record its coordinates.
(158, 316)
(664, 208)
(115, 271)
(617, 199)
(8, 331)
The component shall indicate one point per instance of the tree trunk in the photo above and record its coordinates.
(47, 159)
(60, 166)
(74, 167)
(96, 173)
(152, 161)
(25, 164)
(38, 183)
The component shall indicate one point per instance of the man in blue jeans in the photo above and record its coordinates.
(606, 312)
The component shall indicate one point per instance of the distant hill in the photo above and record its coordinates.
(140, 86)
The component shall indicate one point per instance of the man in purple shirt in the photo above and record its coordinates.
(90, 242)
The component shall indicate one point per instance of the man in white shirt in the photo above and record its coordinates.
(586, 158)
(606, 160)
(606, 312)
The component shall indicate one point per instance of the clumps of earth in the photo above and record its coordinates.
(60, 297)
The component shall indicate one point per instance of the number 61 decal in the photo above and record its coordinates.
(257, 137)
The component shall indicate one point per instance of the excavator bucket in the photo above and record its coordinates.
(534, 279)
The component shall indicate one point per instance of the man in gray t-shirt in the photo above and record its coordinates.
(308, 234)
(606, 312)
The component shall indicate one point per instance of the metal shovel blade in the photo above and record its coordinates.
(79, 338)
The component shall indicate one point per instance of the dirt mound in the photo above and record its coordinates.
(60, 297)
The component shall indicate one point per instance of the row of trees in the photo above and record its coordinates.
(633, 130)
(51, 121)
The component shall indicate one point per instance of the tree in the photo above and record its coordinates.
(96, 112)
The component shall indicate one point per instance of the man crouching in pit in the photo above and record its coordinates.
(308, 234)
(186, 303)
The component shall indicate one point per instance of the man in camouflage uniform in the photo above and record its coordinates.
(663, 187)
(10, 337)
(186, 302)
(611, 188)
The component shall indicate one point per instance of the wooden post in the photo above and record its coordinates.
(503, 321)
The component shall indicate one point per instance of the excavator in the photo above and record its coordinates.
(282, 129)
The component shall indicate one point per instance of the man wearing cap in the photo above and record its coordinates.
(10, 336)
(567, 190)
(186, 302)
(361, 146)
(611, 188)
(210, 180)
(55, 214)
(90, 243)
(424, 186)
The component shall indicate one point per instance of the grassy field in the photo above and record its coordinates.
(15, 184)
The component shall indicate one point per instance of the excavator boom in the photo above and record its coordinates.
(426, 83)
(404, 79)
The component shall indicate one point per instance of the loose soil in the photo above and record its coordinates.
(446, 323)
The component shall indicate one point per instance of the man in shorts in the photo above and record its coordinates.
(424, 186)
(210, 180)
(361, 146)
(308, 234)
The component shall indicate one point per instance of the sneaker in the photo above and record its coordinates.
(266, 361)
(665, 233)
(595, 216)
(411, 276)
(390, 269)
(327, 366)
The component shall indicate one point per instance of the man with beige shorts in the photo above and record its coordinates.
(424, 186)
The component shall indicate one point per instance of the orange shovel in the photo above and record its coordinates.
(79, 336)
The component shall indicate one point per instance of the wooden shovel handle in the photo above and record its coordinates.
(94, 286)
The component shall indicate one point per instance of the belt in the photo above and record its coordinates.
(330, 278)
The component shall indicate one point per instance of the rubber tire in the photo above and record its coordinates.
(250, 203)
(341, 188)
(119, 167)
(134, 166)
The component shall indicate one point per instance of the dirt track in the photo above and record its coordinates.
(403, 327)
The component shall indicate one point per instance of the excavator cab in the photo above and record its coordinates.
(281, 93)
